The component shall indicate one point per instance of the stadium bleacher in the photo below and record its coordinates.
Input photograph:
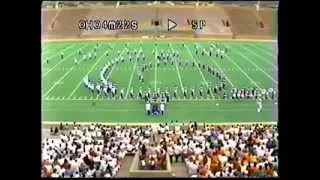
(177, 149)
(243, 20)
(206, 150)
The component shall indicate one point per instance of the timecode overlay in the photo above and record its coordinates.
(98, 24)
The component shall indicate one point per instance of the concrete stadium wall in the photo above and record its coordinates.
(244, 22)
(60, 24)
(135, 172)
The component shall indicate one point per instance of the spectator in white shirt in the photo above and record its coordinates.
(119, 142)
(170, 152)
(121, 154)
(184, 151)
(192, 169)
(129, 148)
(197, 150)
(54, 174)
(177, 151)
(162, 108)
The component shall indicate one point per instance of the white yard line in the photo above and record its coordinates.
(182, 89)
(131, 77)
(58, 82)
(92, 67)
(50, 50)
(243, 72)
(247, 59)
(65, 58)
(251, 80)
(203, 78)
(221, 71)
(274, 54)
(186, 123)
(176, 100)
(102, 109)
(262, 46)
(43, 55)
(155, 71)
(258, 55)
(63, 50)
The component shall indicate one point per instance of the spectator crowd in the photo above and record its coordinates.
(224, 151)
(93, 151)
(209, 151)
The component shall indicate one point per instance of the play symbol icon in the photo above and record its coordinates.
(171, 24)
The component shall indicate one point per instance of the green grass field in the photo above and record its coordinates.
(248, 64)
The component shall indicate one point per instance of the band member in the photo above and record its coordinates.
(131, 93)
(185, 93)
(121, 93)
(148, 108)
(162, 108)
(192, 92)
(140, 93)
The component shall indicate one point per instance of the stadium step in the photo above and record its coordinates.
(125, 167)
(179, 169)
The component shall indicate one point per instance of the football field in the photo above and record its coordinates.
(246, 65)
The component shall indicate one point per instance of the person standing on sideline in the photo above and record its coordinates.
(259, 103)
(162, 108)
(148, 106)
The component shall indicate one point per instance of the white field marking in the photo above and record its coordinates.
(252, 81)
(203, 78)
(65, 58)
(155, 70)
(92, 67)
(175, 100)
(275, 67)
(64, 49)
(247, 59)
(221, 71)
(229, 100)
(140, 109)
(46, 50)
(243, 72)
(142, 124)
(131, 77)
(58, 82)
(43, 55)
(182, 89)
(274, 55)
(262, 46)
